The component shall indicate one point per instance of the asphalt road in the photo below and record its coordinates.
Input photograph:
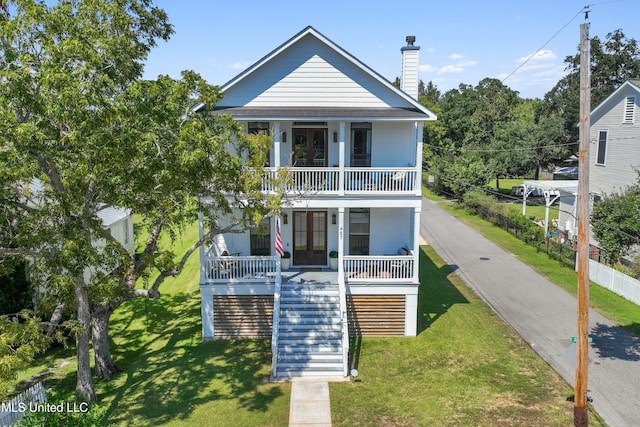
(543, 314)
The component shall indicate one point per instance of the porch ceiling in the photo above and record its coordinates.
(321, 113)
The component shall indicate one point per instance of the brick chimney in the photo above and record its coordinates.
(410, 67)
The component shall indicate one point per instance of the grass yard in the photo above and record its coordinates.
(466, 367)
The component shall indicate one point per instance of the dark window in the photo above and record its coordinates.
(309, 147)
(261, 238)
(602, 147)
(359, 232)
(259, 127)
(361, 144)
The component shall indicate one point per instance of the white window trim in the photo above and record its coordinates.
(606, 148)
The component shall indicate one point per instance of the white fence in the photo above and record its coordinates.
(17, 407)
(382, 268)
(615, 281)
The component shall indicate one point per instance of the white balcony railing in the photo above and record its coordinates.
(357, 268)
(380, 180)
(378, 268)
(356, 180)
(238, 269)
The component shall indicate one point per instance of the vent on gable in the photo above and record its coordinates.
(629, 109)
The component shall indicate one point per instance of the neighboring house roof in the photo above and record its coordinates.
(111, 215)
(631, 84)
(311, 77)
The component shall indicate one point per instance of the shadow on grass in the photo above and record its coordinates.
(615, 343)
(169, 371)
(436, 294)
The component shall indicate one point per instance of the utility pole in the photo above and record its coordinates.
(580, 413)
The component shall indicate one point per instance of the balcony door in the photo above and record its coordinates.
(309, 238)
(310, 147)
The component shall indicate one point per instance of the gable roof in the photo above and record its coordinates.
(253, 94)
(631, 84)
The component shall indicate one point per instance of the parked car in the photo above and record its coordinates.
(533, 192)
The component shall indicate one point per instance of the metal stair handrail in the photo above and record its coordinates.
(276, 320)
(342, 289)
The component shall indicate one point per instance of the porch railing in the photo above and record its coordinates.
(380, 180)
(356, 180)
(239, 269)
(378, 268)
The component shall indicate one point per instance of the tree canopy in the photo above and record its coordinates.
(82, 131)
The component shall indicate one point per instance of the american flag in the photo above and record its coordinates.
(279, 248)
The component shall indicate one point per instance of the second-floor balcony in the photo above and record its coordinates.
(351, 180)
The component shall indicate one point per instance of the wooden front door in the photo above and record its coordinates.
(310, 147)
(310, 238)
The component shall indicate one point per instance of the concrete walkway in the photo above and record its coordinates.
(309, 404)
(542, 314)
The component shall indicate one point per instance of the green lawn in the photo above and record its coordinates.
(466, 367)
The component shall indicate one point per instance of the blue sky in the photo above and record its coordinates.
(461, 41)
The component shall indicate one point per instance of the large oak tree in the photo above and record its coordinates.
(80, 131)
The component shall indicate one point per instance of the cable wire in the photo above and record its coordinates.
(585, 8)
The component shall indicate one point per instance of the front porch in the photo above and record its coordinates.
(263, 270)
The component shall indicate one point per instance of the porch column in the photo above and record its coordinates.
(418, 134)
(341, 155)
(206, 294)
(416, 244)
(341, 245)
(277, 138)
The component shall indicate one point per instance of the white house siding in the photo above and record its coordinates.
(309, 74)
(393, 145)
(623, 147)
(390, 230)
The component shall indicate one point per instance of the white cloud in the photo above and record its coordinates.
(540, 56)
(427, 68)
(449, 69)
(430, 50)
(455, 56)
(467, 63)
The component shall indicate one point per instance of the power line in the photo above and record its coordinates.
(489, 150)
(585, 8)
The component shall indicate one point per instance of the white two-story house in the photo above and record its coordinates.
(352, 145)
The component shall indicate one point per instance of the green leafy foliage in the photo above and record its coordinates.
(93, 416)
(616, 222)
(21, 340)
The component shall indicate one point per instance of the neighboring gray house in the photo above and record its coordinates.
(615, 141)
(614, 154)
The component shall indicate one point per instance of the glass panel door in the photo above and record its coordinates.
(310, 238)
(309, 147)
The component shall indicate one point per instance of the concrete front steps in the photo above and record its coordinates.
(310, 332)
